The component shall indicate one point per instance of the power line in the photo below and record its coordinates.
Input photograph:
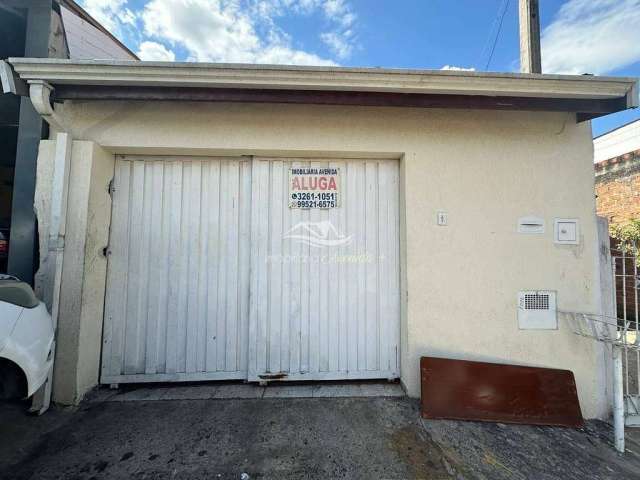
(489, 34)
(493, 47)
(500, 14)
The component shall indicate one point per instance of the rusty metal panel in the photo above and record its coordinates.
(464, 390)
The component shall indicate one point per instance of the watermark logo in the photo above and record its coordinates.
(318, 235)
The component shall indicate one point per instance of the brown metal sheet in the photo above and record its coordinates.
(464, 390)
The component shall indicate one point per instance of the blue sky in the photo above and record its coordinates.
(601, 37)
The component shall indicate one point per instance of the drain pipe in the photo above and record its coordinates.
(55, 254)
(618, 400)
(618, 380)
(607, 268)
(40, 94)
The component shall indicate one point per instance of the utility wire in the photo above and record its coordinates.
(502, 10)
(493, 47)
(489, 35)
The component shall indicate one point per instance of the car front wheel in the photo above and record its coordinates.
(12, 381)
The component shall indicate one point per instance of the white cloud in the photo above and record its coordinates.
(153, 51)
(111, 14)
(222, 31)
(246, 31)
(339, 44)
(339, 11)
(339, 36)
(461, 69)
(592, 36)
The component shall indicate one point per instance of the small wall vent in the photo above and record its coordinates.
(537, 310)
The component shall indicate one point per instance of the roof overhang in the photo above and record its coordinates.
(588, 96)
(72, 6)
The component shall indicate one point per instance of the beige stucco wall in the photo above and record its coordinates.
(79, 330)
(42, 207)
(484, 168)
(95, 268)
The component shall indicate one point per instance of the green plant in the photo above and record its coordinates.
(628, 236)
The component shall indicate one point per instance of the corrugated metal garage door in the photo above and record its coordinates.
(325, 283)
(212, 276)
(178, 275)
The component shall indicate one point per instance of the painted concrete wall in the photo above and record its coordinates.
(42, 207)
(484, 168)
(79, 334)
(95, 268)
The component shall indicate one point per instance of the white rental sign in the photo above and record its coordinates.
(313, 187)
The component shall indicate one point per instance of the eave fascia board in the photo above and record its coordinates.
(206, 75)
(11, 83)
(594, 107)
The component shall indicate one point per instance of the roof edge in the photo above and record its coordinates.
(320, 68)
(72, 6)
(159, 75)
(630, 122)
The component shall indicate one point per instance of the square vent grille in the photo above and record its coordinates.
(537, 310)
(535, 301)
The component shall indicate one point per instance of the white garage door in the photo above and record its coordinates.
(178, 272)
(212, 274)
(325, 302)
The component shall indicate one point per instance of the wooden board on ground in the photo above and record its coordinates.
(464, 390)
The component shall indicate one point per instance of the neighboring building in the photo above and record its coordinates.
(617, 142)
(617, 168)
(36, 28)
(274, 223)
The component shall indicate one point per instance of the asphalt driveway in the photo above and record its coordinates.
(220, 439)
(153, 434)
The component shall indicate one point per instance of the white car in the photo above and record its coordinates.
(26, 340)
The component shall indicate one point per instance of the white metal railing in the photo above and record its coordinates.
(603, 329)
(622, 333)
(625, 273)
